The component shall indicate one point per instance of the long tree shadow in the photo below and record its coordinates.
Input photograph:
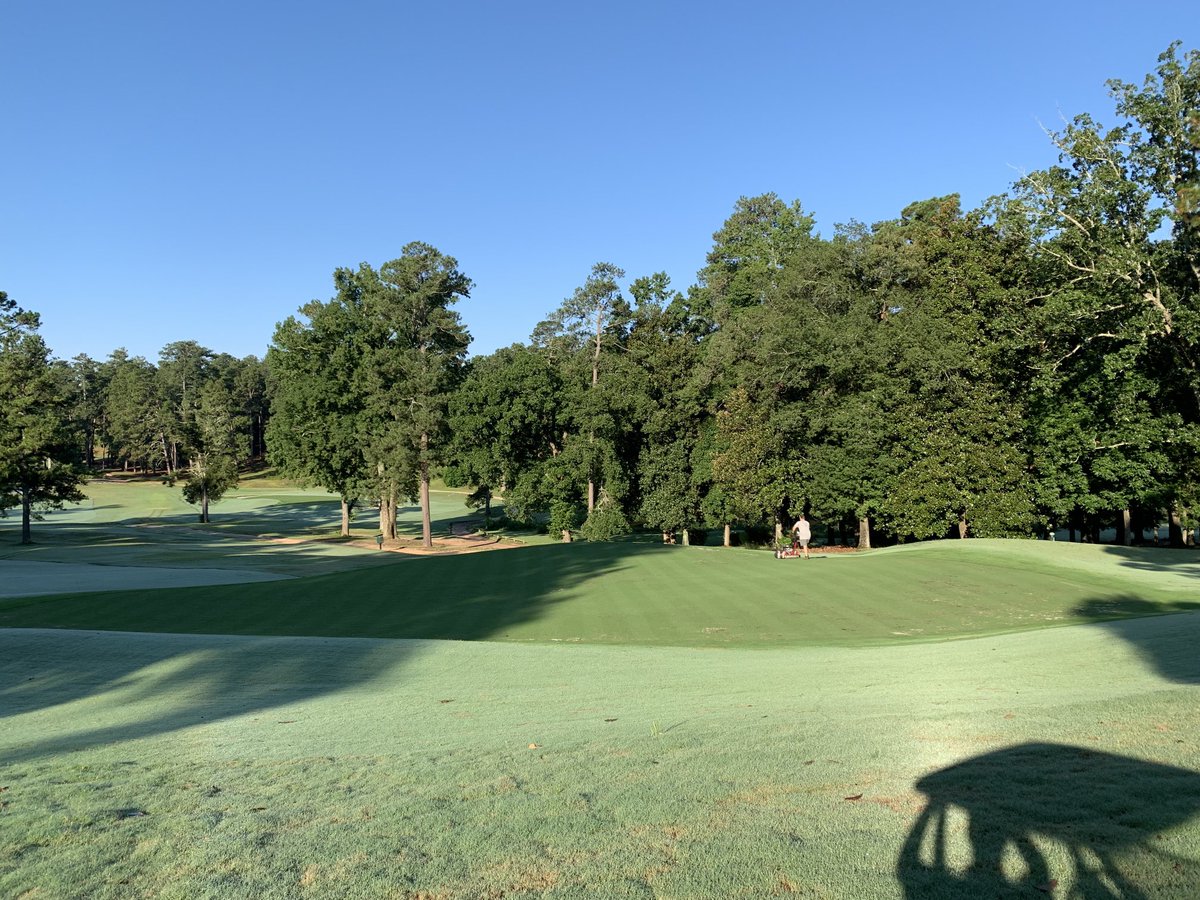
(161, 543)
(1029, 818)
(1173, 560)
(463, 598)
(1164, 634)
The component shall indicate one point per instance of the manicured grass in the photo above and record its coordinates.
(184, 766)
(264, 506)
(267, 525)
(647, 594)
(961, 719)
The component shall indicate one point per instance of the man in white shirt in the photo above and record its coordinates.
(802, 533)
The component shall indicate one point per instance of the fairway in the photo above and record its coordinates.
(22, 578)
(293, 767)
(941, 720)
(637, 593)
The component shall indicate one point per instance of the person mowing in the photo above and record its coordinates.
(802, 534)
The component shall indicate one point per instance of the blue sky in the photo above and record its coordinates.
(197, 171)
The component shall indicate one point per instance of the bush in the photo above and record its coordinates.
(606, 521)
(564, 516)
(453, 477)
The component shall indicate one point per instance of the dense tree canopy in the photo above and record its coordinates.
(1011, 370)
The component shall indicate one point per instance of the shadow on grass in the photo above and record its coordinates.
(280, 515)
(138, 685)
(1166, 642)
(1022, 820)
(292, 518)
(169, 546)
(1175, 560)
(283, 517)
(460, 598)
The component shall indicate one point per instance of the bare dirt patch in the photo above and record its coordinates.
(457, 542)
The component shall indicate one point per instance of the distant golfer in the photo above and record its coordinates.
(802, 533)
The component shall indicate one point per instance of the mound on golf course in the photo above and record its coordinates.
(959, 719)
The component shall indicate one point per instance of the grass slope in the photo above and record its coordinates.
(643, 722)
(647, 594)
(1053, 763)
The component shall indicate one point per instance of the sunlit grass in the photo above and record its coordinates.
(647, 594)
(359, 768)
(962, 719)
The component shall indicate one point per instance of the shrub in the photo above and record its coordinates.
(606, 521)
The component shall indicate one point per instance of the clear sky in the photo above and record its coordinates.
(196, 171)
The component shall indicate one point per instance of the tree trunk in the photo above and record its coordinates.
(204, 505)
(728, 536)
(591, 496)
(864, 533)
(1124, 531)
(1175, 528)
(387, 517)
(687, 540)
(566, 535)
(487, 510)
(962, 527)
(345, 518)
(26, 516)
(426, 517)
(778, 532)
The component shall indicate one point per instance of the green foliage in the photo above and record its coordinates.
(505, 416)
(136, 425)
(38, 452)
(454, 477)
(317, 396)
(564, 517)
(606, 520)
(218, 445)
(750, 251)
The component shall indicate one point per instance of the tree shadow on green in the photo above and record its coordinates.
(1176, 561)
(1162, 633)
(461, 598)
(185, 680)
(1040, 815)
(158, 544)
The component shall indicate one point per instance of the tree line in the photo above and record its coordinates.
(195, 416)
(1026, 366)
